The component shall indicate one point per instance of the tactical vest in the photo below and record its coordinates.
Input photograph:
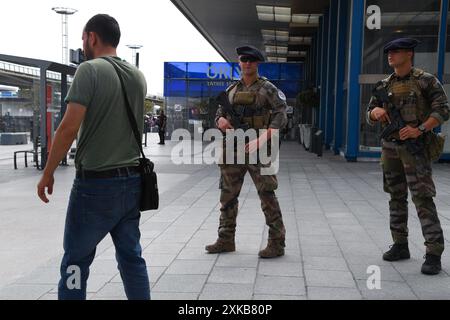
(251, 104)
(408, 97)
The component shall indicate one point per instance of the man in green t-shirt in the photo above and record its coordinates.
(106, 192)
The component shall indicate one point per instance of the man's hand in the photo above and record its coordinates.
(64, 137)
(223, 124)
(409, 133)
(379, 114)
(47, 181)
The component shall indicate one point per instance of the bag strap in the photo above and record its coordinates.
(130, 114)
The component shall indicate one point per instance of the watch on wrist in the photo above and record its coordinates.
(422, 128)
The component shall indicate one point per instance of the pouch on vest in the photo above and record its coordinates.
(244, 98)
(258, 122)
(434, 145)
(408, 109)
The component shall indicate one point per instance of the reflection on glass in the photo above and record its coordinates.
(175, 70)
(445, 128)
(399, 18)
(191, 100)
(413, 18)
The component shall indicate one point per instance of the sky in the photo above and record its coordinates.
(31, 29)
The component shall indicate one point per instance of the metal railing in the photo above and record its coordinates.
(28, 71)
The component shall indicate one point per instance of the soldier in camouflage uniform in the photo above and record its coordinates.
(423, 105)
(265, 107)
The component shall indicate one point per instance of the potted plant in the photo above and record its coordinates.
(307, 100)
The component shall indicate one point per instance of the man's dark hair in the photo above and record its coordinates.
(106, 27)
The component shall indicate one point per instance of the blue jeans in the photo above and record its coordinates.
(98, 207)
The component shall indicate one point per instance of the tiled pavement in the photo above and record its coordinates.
(336, 219)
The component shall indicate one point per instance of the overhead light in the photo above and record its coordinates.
(264, 9)
(282, 36)
(276, 59)
(312, 19)
(300, 40)
(271, 49)
(293, 53)
(282, 18)
(282, 50)
(269, 13)
(268, 32)
(265, 16)
(265, 13)
(268, 35)
(300, 18)
(282, 10)
(282, 14)
(302, 53)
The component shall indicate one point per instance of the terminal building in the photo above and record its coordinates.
(332, 49)
(338, 45)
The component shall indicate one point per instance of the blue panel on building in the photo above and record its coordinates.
(176, 70)
(202, 79)
(190, 88)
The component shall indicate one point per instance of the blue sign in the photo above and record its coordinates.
(207, 79)
(8, 94)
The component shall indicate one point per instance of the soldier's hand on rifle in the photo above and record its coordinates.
(223, 124)
(379, 114)
(409, 133)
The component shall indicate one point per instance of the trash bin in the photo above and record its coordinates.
(300, 134)
(312, 141)
(318, 143)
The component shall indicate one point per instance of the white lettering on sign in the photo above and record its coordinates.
(374, 17)
(221, 72)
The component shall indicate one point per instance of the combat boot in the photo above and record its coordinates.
(432, 264)
(275, 248)
(398, 251)
(221, 245)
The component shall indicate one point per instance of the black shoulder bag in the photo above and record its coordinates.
(149, 184)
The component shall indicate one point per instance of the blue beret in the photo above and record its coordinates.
(250, 51)
(401, 43)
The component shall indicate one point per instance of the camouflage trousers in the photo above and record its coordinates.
(232, 178)
(401, 171)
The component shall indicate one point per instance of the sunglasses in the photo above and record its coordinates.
(248, 59)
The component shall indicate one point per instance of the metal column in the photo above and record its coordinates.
(323, 78)
(341, 40)
(354, 90)
(43, 112)
(331, 73)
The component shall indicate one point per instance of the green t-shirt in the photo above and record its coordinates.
(106, 140)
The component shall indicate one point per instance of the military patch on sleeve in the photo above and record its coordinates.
(281, 95)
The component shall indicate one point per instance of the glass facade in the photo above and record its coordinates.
(414, 18)
(19, 99)
(446, 82)
(190, 88)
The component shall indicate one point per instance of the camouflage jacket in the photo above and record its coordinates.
(420, 92)
(269, 100)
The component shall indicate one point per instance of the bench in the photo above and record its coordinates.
(34, 152)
